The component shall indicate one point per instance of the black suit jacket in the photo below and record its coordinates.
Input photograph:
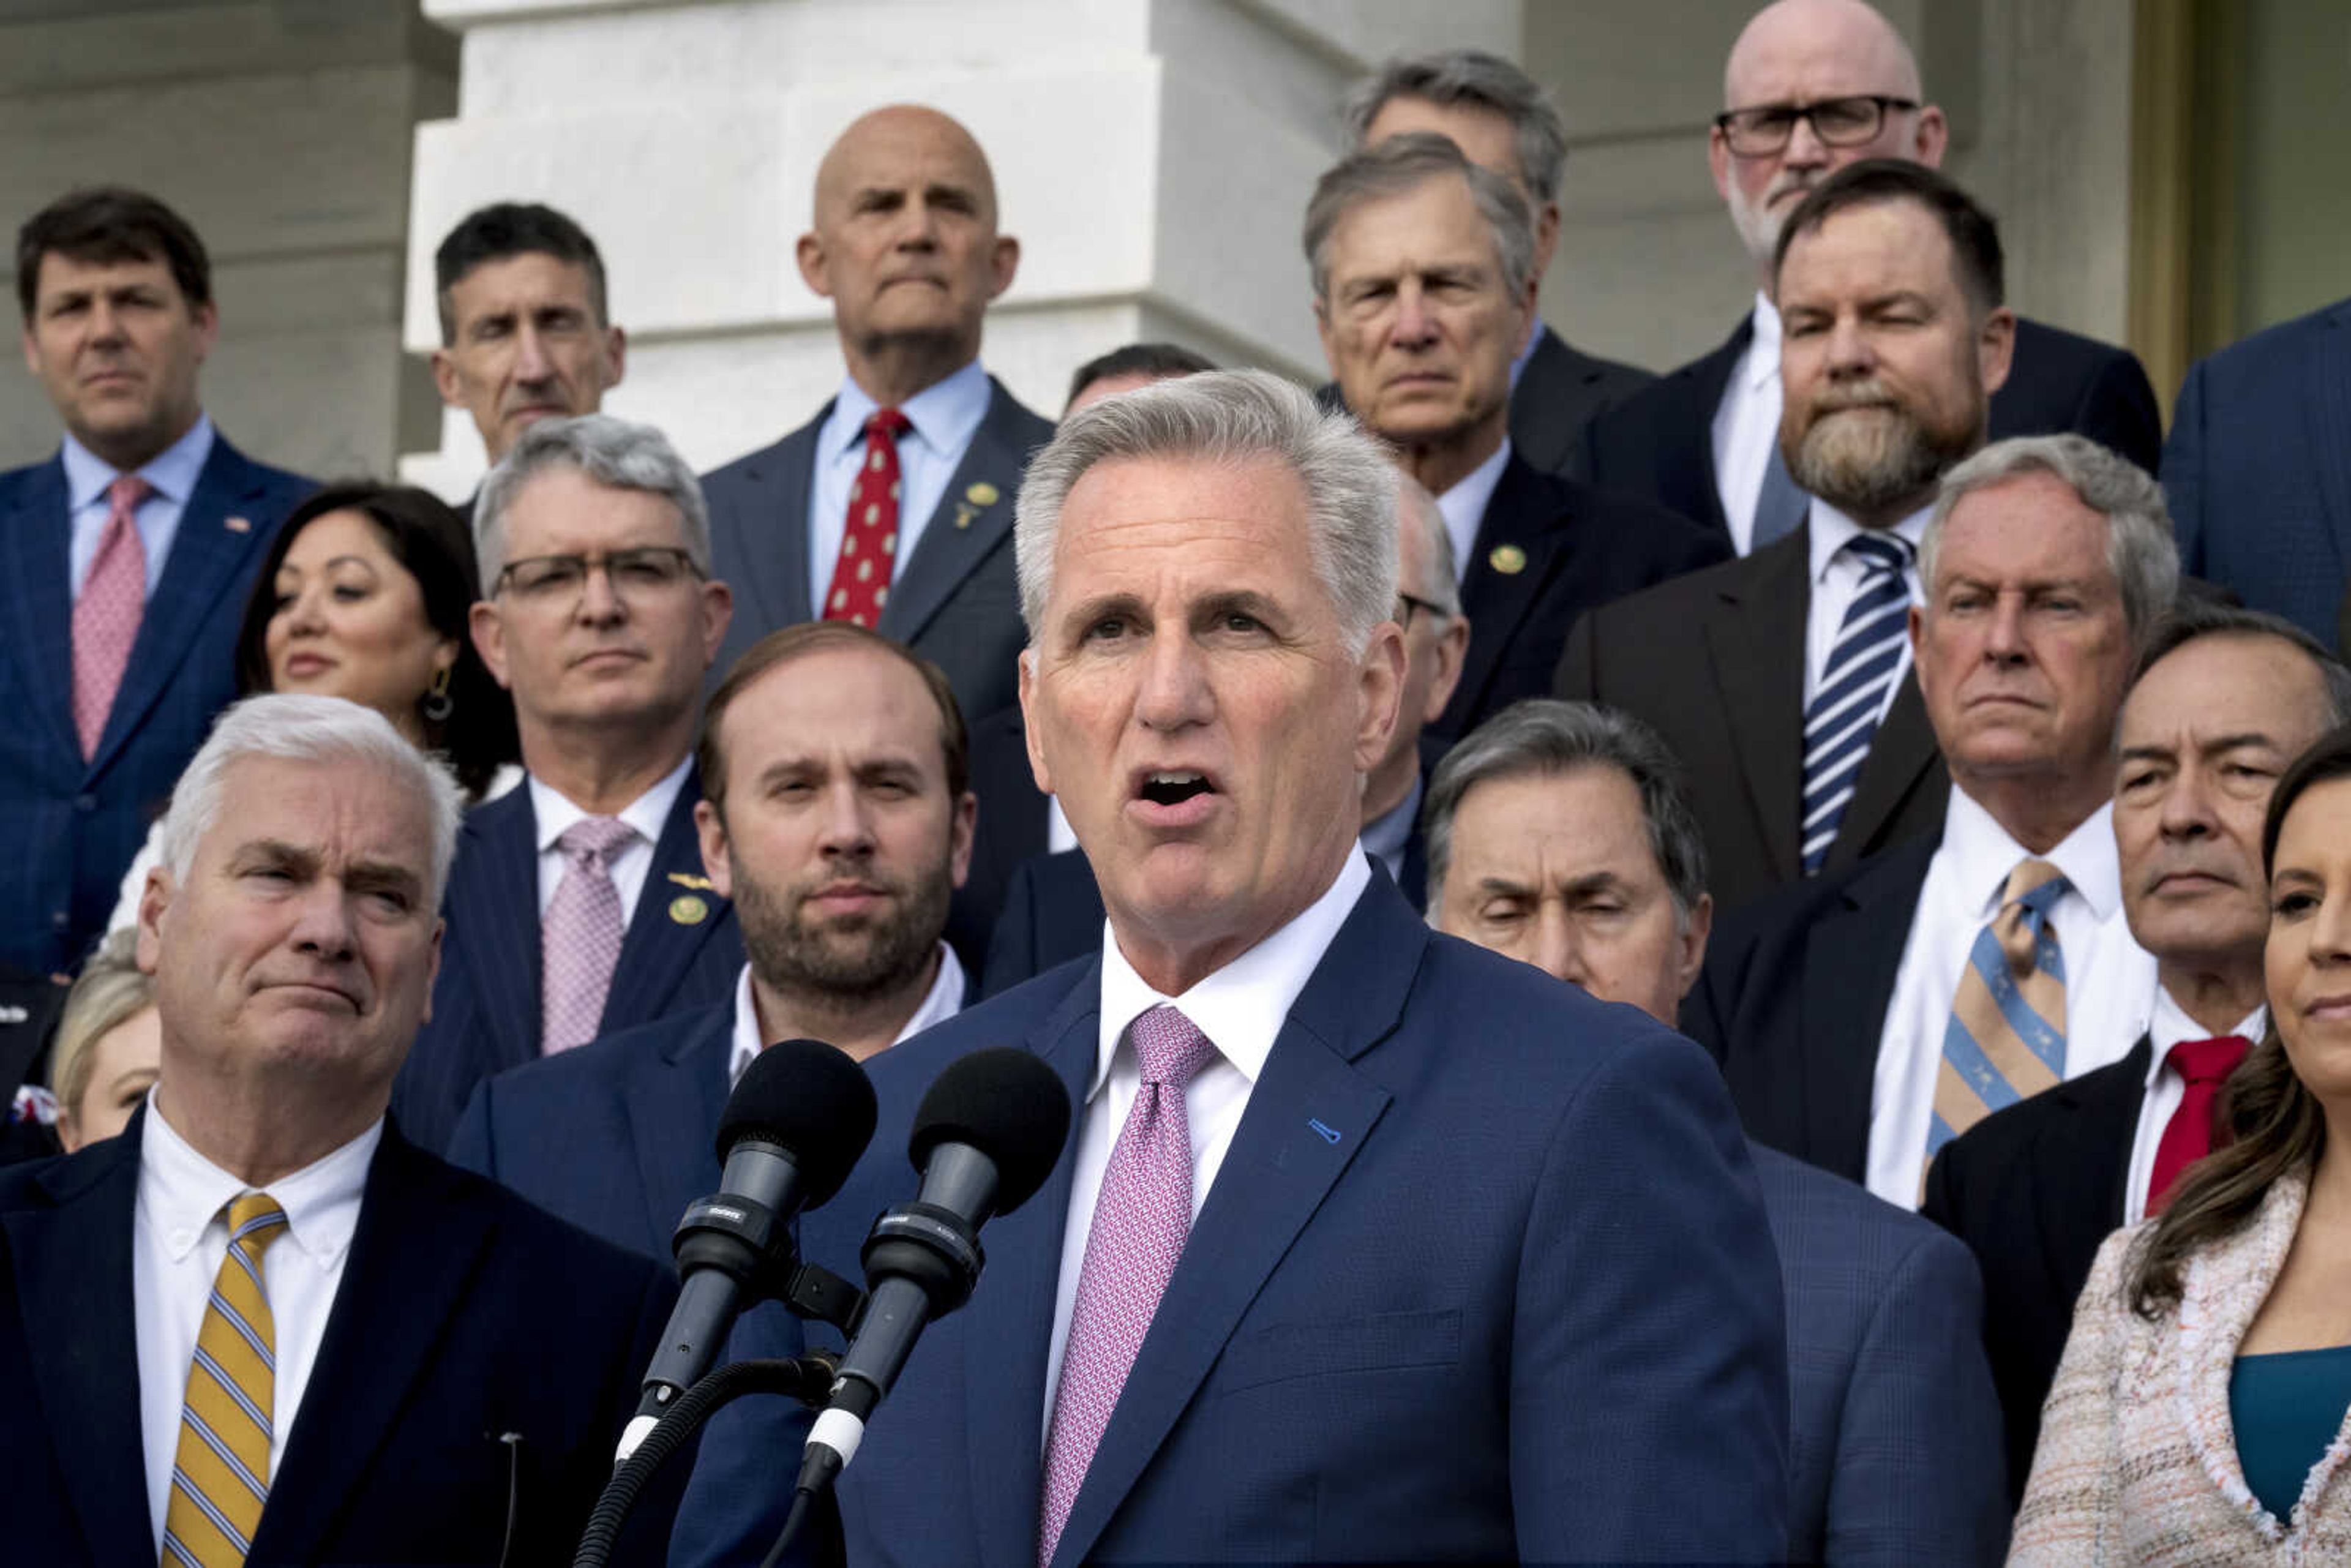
(1558, 393)
(463, 1315)
(1792, 999)
(1714, 663)
(955, 602)
(1659, 443)
(682, 949)
(2034, 1189)
(1549, 550)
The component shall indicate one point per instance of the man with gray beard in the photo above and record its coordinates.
(1788, 668)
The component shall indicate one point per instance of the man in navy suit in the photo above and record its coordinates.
(578, 906)
(1559, 834)
(1249, 1318)
(261, 1325)
(904, 244)
(2258, 471)
(1811, 87)
(108, 693)
(1424, 284)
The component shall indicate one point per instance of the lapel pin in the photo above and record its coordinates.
(1322, 1130)
(964, 516)
(982, 494)
(1508, 560)
(687, 879)
(688, 910)
(237, 525)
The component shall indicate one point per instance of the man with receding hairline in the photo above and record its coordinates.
(1811, 87)
(893, 509)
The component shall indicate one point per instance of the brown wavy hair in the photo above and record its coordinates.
(2276, 1124)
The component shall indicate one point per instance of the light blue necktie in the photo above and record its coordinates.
(1842, 718)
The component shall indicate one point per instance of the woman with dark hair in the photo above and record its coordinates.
(2199, 1413)
(366, 593)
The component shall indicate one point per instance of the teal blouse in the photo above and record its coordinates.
(2287, 1408)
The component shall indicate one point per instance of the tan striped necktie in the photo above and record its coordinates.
(220, 1477)
(2006, 1037)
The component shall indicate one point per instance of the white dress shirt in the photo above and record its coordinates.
(2110, 977)
(172, 475)
(1836, 579)
(940, 1003)
(1059, 834)
(180, 1239)
(1463, 506)
(1747, 427)
(2164, 1090)
(1240, 1007)
(945, 416)
(629, 864)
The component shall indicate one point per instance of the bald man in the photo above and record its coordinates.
(1811, 86)
(893, 507)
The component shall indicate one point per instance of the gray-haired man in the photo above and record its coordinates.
(1502, 119)
(579, 906)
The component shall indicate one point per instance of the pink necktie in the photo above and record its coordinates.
(105, 616)
(1141, 1219)
(579, 935)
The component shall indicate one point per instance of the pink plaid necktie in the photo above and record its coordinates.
(579, 935)
(105, 616)
(1141, 1219)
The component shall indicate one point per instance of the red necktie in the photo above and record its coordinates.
(2190, 1135)
(869, 543)
(106, 617)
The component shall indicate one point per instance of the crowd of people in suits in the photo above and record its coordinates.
(395, 891)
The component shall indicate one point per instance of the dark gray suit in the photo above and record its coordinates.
(1558, 394)
(955, 602)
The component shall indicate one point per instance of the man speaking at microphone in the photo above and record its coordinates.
(1368, 1244)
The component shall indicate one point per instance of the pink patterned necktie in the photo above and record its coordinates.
(579, 935)
(1141, 1219)
(105, 616)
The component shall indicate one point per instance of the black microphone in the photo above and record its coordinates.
(987, 1134)
(792, 1132)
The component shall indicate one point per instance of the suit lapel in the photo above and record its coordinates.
(1276, 1175)
(973, 517)
(75, 1291)
(1901, 757)
(1755, 638)
(1006, 1339)
(672, 1102)
(1849, 958)
(39, 594)
(494, 905)
(659, 948)
(2081, 1162)
(209, 553)
(775, 564)
(2330, 417)
(1518, 518)
(413, 1246)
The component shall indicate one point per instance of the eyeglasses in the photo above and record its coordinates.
(1407, 604)
(1837, 122)
(644, 571)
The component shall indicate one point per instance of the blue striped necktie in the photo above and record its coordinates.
(1842, 716)
(2006, 1037)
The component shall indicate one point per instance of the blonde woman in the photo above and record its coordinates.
(107, 1043)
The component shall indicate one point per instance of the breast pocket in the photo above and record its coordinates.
(1384, 1342)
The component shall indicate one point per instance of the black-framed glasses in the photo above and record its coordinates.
(1407, 603)
(1838, 122)
(643, 571)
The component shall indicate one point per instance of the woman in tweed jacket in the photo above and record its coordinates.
(2176, 1385)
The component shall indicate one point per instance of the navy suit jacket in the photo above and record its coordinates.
(1484, 1276)
(1548, 550)
(1895, 1437)
(1792, 999)
(2034, 1189)
(2258, 469)
(68, 828)
(1659, 443)
(486, 1005)
(955, 602)
(1012, 829)
(463, 1314)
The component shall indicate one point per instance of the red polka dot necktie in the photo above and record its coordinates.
(869, 543)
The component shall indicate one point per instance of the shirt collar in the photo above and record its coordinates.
(1832, 530)
(648, 813)
(1386, 834)
(1463, 505)
(2170, 1025)
(1764, 352)
(172, 472)
(183, 1193)
(944, 414)
(940, 1003)
(1983, 854)
(1241, 1006)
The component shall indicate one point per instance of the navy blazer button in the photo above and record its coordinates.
(85, 804)
(60, 919)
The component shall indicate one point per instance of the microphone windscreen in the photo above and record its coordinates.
(810, 1098)
(1007, 1105)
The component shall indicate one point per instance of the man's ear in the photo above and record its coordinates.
(710, 832)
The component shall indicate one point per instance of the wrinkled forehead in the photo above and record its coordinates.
(1800, 51)
(2031, 531)
(1197, 523)
(339, 813)
(903, 149)
(2227, 686)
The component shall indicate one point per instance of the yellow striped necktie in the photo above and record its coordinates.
(220, 1475)
(2006, 1037)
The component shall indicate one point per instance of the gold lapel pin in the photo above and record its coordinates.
(688, 910)
(237, 525)
(964, 516)
(687, 879)
(1508, 560)
(982, 494)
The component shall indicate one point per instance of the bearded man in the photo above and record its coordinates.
(1790, 665)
